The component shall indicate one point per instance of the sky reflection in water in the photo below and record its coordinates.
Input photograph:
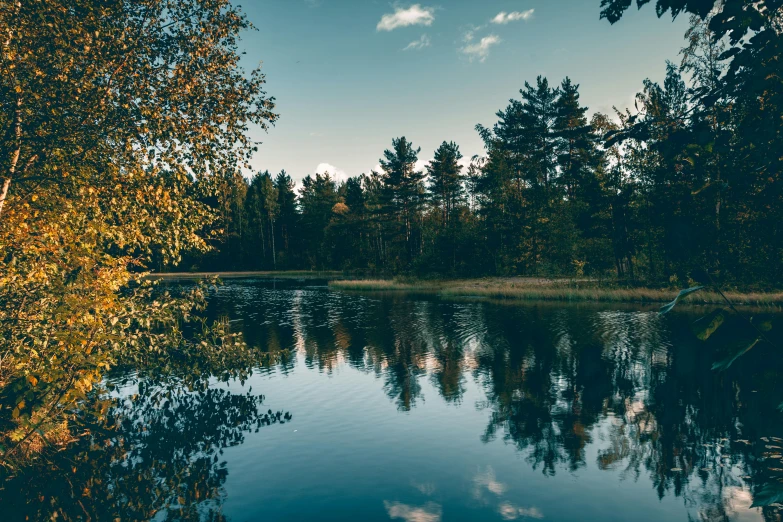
(465, 410)
(422, 410)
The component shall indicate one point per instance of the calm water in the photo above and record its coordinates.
(420, 410)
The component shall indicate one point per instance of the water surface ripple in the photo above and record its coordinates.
(425, 410)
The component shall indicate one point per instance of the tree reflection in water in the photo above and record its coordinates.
(559, 382)
(155, 453)
(560, 378)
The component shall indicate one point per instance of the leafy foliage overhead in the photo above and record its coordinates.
(116, 116)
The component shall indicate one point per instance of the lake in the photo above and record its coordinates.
(421, 409)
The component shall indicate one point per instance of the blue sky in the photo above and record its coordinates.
(350, 75)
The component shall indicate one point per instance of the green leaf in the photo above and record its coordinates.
(706, 326)
(669, 307)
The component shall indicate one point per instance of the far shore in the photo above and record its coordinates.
(511, 288)
(542, 289)
(291, 274)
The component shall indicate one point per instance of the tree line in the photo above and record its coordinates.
(124, 128)
(688, 180)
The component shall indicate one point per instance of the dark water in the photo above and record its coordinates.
(421, 410)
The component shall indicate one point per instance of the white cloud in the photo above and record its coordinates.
(504, 18)
(470, 33)
(414, 15)
(509, 511)
(421, 165)
(480, 50)
(530, 512)
(429, 512)
(335, 173)
(425, 488)
(421, 43)
(620, 103)
(487, 480)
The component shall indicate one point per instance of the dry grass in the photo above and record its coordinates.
(384, 285)
(535, 289)
(291, 274)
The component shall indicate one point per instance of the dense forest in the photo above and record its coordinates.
(688, 180)
(125, 141)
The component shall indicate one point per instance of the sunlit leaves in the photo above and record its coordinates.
(113, 108)
(103, 80)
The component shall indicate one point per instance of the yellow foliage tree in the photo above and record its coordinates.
(113, 116)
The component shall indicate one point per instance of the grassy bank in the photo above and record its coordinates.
(292, 274)
(556, 290)
(521, 288)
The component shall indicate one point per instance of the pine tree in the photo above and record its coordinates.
(576, 155)
(403, 192)
(446, 190)
(318, 196)
(287, 218)
(540, 114)
(262, 210)
(446, 181)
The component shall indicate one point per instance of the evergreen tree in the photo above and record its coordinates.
(228, 200)
(446, 181)
(687, 180)
(318, 196)
(287, 219)
(585, 214)
(447, 195)
(262, 209)
(540, 113)
(576, 156)
(403, 195)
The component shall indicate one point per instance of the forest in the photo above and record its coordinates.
(688, 179)
(125, 151)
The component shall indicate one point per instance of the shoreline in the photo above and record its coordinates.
(293, 274)
(503, 288)
(539, 289)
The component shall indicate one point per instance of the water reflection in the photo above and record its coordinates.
(488, 490)
(156, 455)
(429, 512)
(571, 389)
(559, 380)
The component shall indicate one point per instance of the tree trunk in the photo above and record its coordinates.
(15, 154)
(274, 254)
(4, 192)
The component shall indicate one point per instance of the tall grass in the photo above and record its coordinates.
(543, 290)
(299, 274)
(383, 285)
